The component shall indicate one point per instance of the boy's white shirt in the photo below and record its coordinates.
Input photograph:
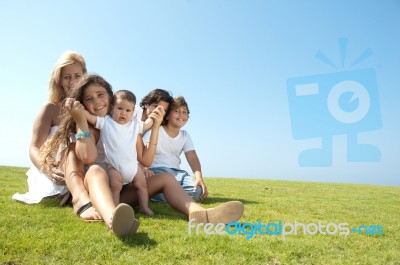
(169, 149)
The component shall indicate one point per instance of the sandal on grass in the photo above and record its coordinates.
(123, 220)
(84, 208)
(225, 213)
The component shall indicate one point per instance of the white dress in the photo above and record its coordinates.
(39, 185)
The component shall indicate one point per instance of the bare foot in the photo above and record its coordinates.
(85, 210)
(147, 211)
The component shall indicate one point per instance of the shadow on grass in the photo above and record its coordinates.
(139, 239)
(53, 201)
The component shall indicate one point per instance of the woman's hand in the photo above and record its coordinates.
(54, 174)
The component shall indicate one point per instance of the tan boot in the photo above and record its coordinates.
(225, 213)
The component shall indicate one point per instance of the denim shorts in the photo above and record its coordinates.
(184, 179)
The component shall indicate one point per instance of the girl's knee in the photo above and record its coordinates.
(96, 171)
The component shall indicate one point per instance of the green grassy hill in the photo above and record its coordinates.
(48, 234)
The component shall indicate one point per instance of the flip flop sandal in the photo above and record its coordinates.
(83, 209)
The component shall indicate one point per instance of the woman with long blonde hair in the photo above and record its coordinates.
(49, 181)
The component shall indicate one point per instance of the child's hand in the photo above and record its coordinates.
(161, 110)
(75, 109)
(200, 182)
(148, 172)
(157, 115)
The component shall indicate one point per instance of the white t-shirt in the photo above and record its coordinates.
(169, 149)
(120, 144)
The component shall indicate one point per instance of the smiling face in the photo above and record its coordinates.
(69, 76)
(122, 111)
(96, 100)
(178, 117)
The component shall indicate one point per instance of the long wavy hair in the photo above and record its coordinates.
(55, 150)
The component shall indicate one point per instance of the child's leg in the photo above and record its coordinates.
(115, 183)
(139, 182)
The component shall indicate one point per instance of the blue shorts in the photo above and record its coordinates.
(184, 179)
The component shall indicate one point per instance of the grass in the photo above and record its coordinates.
(48, 234)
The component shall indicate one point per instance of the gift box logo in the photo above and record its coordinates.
(344, 102)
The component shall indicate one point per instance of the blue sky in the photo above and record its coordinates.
(231, 60)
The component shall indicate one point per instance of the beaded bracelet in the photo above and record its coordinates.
(80, 135)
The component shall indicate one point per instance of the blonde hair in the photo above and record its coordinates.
(56, 92)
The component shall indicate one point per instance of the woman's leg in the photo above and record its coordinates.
(80, 198)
